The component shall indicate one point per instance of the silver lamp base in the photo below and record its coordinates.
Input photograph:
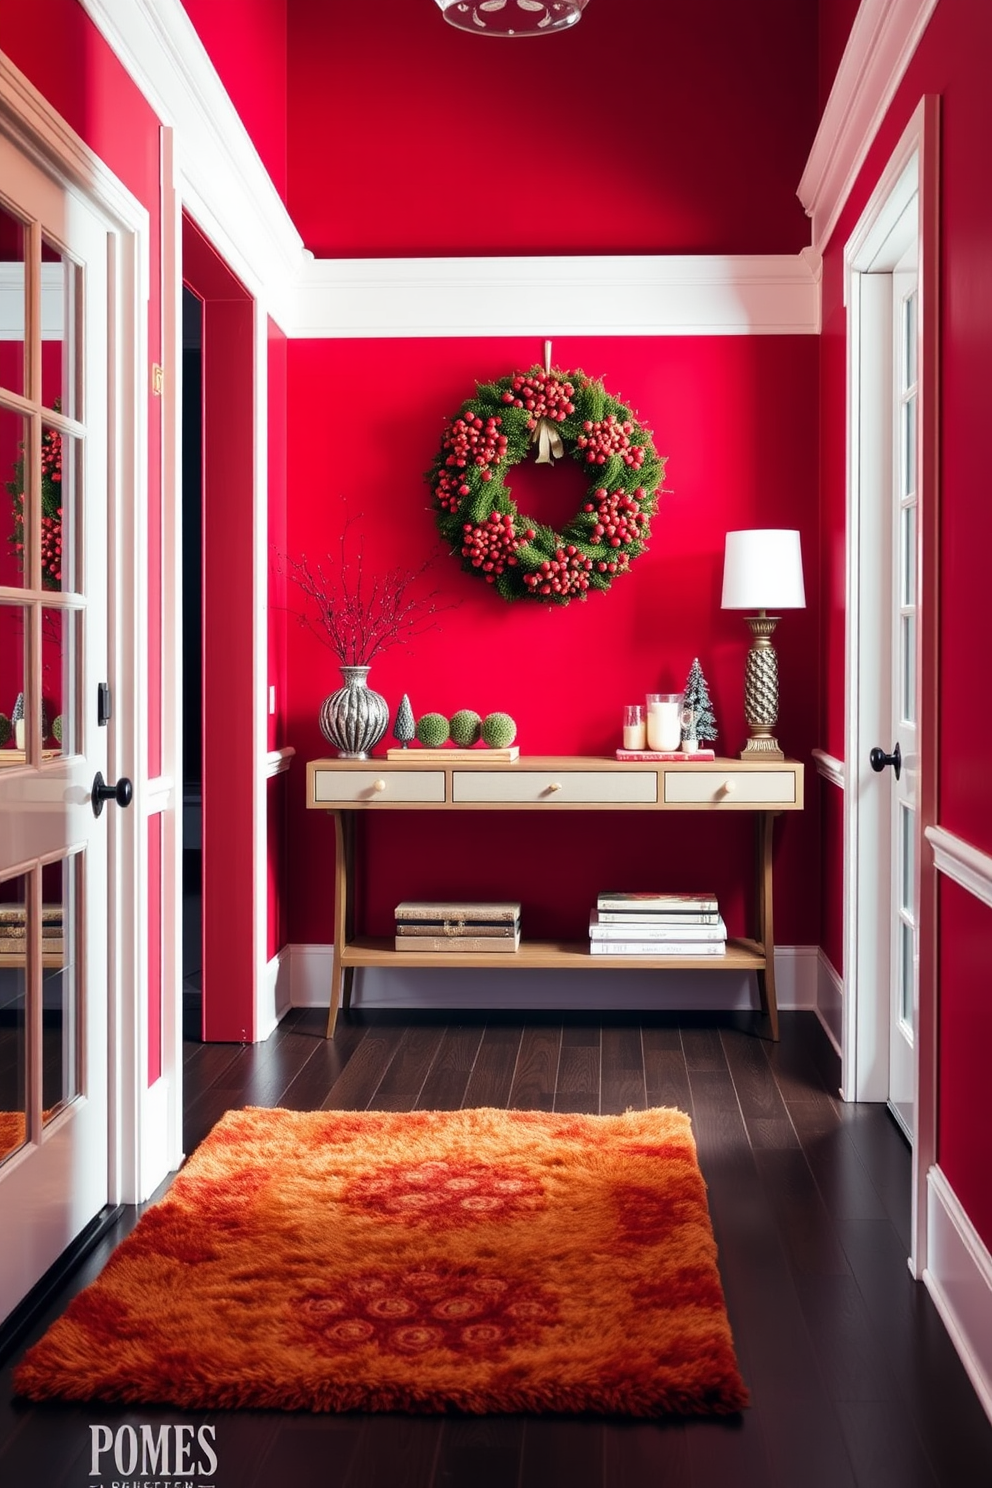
(761, 691)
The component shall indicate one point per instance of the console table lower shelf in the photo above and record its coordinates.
(561, 955)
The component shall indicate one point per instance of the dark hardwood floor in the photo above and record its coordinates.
(854, 1382)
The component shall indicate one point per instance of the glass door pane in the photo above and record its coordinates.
(13, 1013)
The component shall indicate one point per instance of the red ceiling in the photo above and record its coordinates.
(656, 126)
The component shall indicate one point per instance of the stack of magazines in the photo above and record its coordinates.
(457, 927)
(657, 925)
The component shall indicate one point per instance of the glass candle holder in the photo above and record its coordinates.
(664, 729)
(635, 726)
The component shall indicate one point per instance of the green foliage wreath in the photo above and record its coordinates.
(560, 413)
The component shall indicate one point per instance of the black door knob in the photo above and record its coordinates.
(878, 759)
(121, 792)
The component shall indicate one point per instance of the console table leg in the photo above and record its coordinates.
(766, 932)
(340, 976)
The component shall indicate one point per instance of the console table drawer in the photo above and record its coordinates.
(589, 787)
(719, 787)
(330, 786)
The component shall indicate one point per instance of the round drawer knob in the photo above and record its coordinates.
(727, 788)
(380, 785)
(555, 785)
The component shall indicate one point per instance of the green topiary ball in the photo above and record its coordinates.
(466, 727)
(57, 729)
(6, 729)
(432, 730)
(498, 730)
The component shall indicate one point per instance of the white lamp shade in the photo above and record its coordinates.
(763, 570)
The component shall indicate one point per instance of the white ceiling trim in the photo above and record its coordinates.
(227, 190)
(222, 180)
(883, 39)
(636, 295)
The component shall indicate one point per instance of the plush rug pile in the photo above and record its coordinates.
(481, 1261)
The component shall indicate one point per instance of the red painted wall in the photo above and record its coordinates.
(951, 61)
(648, 129)
(228, 661)
(250, 58)
(737, 418)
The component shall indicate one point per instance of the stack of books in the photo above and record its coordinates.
(425, 926)
(657, 925)
(13, 930)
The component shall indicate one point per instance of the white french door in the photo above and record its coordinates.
(903, 876)
(54, 587)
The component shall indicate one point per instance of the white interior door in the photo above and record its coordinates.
(54, 374)
(904, 877)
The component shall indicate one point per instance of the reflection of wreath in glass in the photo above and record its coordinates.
(560, 412)
(51, 506)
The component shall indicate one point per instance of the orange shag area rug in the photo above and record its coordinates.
(476, 1260)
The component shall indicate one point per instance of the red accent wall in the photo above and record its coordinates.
(250, 58)
(648, 129)
(229, 765)
(951, 61)
(737, 418)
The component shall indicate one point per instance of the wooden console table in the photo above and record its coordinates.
(549, 783)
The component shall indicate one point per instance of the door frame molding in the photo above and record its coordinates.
(31, 123)
(912, 167)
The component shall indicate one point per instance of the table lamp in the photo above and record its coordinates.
(762, 570)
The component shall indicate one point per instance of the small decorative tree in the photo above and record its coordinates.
(404, 727)
(698, 723)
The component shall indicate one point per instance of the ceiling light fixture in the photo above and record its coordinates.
(512, 17)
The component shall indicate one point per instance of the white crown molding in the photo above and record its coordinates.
(622, 295)
(958, 1277)
(223, 183)
(829, 767)
(883, 39)
(966, 865)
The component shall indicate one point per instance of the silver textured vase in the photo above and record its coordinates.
(354, 718)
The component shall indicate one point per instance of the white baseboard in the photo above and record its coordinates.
(274, 993)
(523, 987)
(830, 999)
(958, 1277)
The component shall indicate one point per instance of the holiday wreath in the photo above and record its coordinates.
(559, 412)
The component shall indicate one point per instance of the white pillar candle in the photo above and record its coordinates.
(664, 721)
(635, 728)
